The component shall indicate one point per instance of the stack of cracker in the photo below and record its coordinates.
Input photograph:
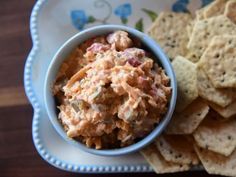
(203, 54)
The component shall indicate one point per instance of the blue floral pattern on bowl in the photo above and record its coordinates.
(180, 6)
(79, 19)
(123, 11)
(206, 2)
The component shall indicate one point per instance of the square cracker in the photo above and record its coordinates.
(170, 31)
(225, 112)
(215, 8)
(173, 149)
(216, 135)
(187, 121)
(230, 10)
(186, 76)
(205, 30)
(206, 90)
(216, 163)
(200, 13)
(219, 61)
(159, 164)
(189, 28)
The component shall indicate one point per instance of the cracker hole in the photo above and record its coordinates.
(217, 55)
(161, 144)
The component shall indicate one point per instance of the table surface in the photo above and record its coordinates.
(18, 156)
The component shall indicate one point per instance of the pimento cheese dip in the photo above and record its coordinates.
(110, 93)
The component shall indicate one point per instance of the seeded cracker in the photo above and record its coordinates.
(192, 57)
(177, 149)
(219, 61)
(206, 90)
(185, 72)
(205, 30)
(170, 31)
(216, 135)
(187, 121)
(159, 164)
(230, 10)
(199, 16)
(215, 8)
(207, 121)
(217, 164)
(189, 28)
(200, 12)
(226, 112)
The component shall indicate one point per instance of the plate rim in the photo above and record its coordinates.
(37, 112)
(124, 168)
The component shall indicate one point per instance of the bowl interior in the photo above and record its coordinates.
(63, 53)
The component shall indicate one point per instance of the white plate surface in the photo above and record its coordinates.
(52, 23)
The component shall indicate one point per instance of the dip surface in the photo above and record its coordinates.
(110, 93)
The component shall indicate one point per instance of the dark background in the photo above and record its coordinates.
(18, 157)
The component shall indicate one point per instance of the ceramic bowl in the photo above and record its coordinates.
(68, 47)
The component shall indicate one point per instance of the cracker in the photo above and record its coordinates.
(219, 61)
(187, 121)
(216, 163)
(215, 8)
(206, 90)
(200, 12)
(185, 72)
(159, 164)
(192, 57)
(199, 15)
(205, 30)
(177, 149)
(189, 28)
(169, 30)
(216, 135)
(230, 10)
(225, 112)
